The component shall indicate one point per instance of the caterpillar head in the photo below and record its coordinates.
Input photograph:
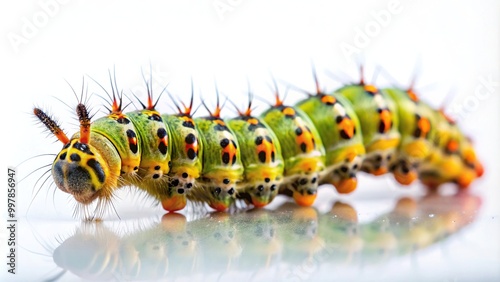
(88, 166)
(82, 171)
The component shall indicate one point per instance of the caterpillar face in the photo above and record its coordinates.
(80, 170)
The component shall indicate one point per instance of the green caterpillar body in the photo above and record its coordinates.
(326, 138)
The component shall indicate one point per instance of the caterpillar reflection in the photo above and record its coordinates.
(326, 138)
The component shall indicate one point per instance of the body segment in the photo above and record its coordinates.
(302, 149)
(261, 157)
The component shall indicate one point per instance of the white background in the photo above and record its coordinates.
(453, 45)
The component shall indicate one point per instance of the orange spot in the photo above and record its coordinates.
(304, 200)
(424, 125)
(218, 206)
(465, 179)
(193, 146)
(350, 156)
(253, 121)
(289, 111)
(452, 146)
(413, 96)
(220, 122)
(385, 118)
(116, 115)
(116, 107)
(380, 171)
(405, 178)
(345, 186)
(231, 151)
(479, 169)
(279, 102)
(177, 202)
(216, 112)
(328, 99)
(132, 140)
(469, 156)
(268, 148)
(370, 88)
(305, 138)
(258, 204)
(188, 119)
(164, 140)
(347, 125)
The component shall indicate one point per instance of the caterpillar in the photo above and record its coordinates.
(326, 138)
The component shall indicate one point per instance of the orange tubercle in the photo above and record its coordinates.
(465, 179)
(479, 169)
(380, 171)
(413, 96)
(259, 204)
(220, 207)
(346, 186)
(370, 88)
(304, 200)
(405, 179)
(173, 204)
